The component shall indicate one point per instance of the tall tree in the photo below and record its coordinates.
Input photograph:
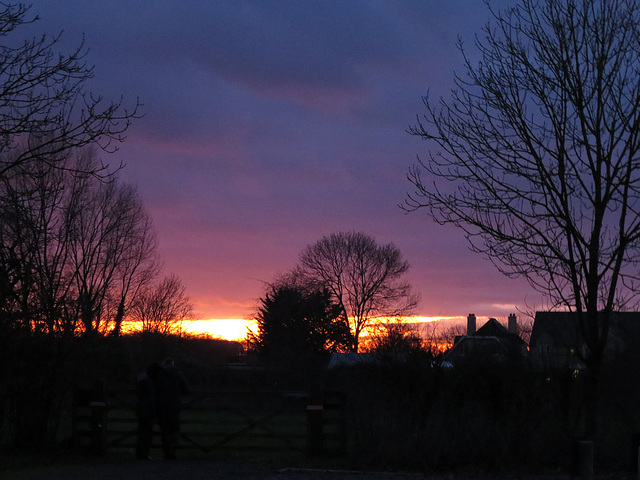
(45, 106)
(537, 156)
(111, 239)
(364, 278)
(70, 246)
(47, 116)
(34, 245)
(138, 267)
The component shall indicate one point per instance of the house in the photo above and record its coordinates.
(557, 343)
(492, 341)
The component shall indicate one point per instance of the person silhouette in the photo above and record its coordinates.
(146, 409)
(170, 386)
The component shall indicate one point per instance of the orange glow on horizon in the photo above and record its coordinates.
(235, 329)
(232, 329)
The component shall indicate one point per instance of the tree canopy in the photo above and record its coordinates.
(364, 278)
(293, 321)
(162, 308)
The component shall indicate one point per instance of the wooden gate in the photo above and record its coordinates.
(220, 420)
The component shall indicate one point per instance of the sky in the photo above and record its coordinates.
(271, 123)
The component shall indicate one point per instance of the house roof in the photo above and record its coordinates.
(561, 329)
(626, 325)
(482, 346)
(492, 340)
(494, 328)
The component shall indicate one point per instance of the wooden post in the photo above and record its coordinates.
(585, 459)
(315, 410)
(98, 404)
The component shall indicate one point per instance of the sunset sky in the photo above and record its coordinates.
(269, 124)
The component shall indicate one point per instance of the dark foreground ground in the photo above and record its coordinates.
(114, 468)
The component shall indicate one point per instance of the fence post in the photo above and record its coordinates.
(98, 404)
(315, 410)
(585, 459)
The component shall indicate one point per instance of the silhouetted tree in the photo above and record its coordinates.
(294, 322)
(71, 246)
(435, 336)
(138, 267)
(162, 308)
(33, 247)
(111, 238)
(364, 278)
(68, 241)
(450, 334)
(395, 338)
(48, 121)
(46, 109)
(537, 156)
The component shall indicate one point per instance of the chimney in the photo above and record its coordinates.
(513, 324)
(471, 324)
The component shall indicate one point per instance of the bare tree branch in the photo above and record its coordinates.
(44, 107)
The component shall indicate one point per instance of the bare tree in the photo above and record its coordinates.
(70, 244)
(537, 156)
(45, 107)
(138, 267)
(34, 246)
(162, 309)
(449, 335)
(525, 327)
(394, 336)
(111, 240)
(364, 278)
(438, 336)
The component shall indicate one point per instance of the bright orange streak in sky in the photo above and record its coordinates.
(226, 328)
(236, 328)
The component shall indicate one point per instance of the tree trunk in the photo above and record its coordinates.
(118, 320)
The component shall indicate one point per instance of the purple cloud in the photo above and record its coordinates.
(271, 123)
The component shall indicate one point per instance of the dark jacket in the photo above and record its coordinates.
(170, 386)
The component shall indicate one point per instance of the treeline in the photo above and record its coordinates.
(77, 248)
